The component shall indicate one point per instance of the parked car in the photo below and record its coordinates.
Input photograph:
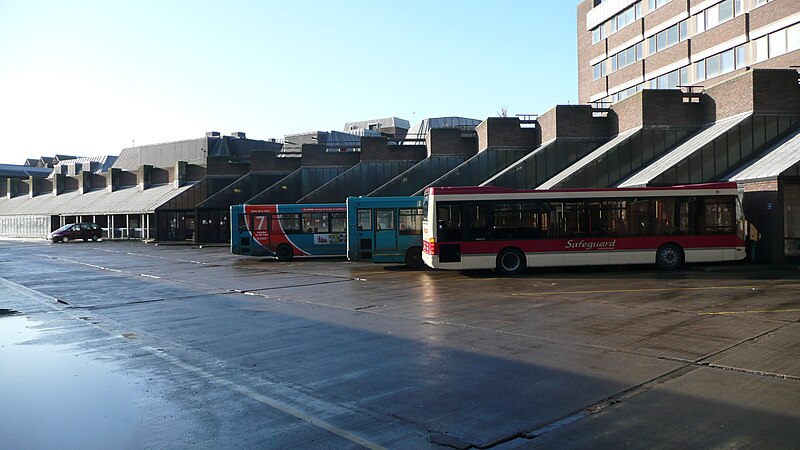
(75, 231)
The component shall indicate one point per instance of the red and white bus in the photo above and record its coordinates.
(508, 230)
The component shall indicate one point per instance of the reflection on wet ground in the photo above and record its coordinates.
(55, 396)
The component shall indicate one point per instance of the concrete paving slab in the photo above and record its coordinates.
(706, 408)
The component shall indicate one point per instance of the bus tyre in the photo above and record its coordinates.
(669, 257)
(284, 252)
(414, 258)
(510, 261)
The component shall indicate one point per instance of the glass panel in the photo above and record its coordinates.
(478, 224)
(700, 71)
(727, 62)
(762, 49)
(712, 66)
(290, 223)
(364, 219)
(315, 222)
(700, 23)
(338, 222)
(449, 223)
(793, 38)
(639, 214)
(712, 17)
(672, 35)
(725, 10)
(741, 59)
(684, 29)
(718, 215)
(777, 43)
(410, 221)
(665, 217)
(384, 219)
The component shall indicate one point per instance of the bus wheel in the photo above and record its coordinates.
(669, 257)
(284, 252)
(414, 258)
(510, 261)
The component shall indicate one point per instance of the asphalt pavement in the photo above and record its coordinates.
(200, 348)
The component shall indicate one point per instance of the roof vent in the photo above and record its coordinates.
(238, 134)
(212, 133)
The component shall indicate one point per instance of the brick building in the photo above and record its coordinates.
(625, 46)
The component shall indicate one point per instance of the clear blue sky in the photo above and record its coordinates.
(89, 77)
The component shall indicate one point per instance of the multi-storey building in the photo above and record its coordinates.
(625, 46)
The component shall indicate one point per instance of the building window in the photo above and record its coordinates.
(669, 37)
(717, 14)
(627, 57)
(671, 80)
(599, 69)
(618, 22)
(720, 64)
(793, 38)
(777, 43)
(652, 5)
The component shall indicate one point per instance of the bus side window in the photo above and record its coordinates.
(364, 219)
(384, 219)
(410, 221)
(478, 217)
(449, 222)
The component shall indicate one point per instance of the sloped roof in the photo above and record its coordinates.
(695, 143)
(588, 159)
(15, 171)
(773, 162)
(103, 162)
(127, 200)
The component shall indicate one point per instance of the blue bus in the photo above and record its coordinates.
(289, 230)
(385, 230)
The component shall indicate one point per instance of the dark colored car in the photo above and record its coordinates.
(76, 231)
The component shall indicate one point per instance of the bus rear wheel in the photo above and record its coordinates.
(284, 252)
(669, 257)
(510, 261)
(414, 258)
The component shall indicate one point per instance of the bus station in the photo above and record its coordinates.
(619, 272)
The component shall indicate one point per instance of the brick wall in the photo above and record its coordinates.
(378, 149)
(263, 161)
(316, 155)
(776, 91)
(451, 141)
(221, 165)
(667, 56)
(719, 34)
(586, 51)
(573, 121)
(160, 176)
(773, 11)
(626, 34)
(195, 172)
(625, 74)
(761, 91)
(664, 13)
(506, 132)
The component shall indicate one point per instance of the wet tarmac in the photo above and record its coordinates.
(128, 345)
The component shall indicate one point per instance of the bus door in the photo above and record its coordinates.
(365, 234)
(385, 232)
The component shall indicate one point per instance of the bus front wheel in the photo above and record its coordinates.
(510, 261)
(284, 252)
(414, 258)
(669, 257)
